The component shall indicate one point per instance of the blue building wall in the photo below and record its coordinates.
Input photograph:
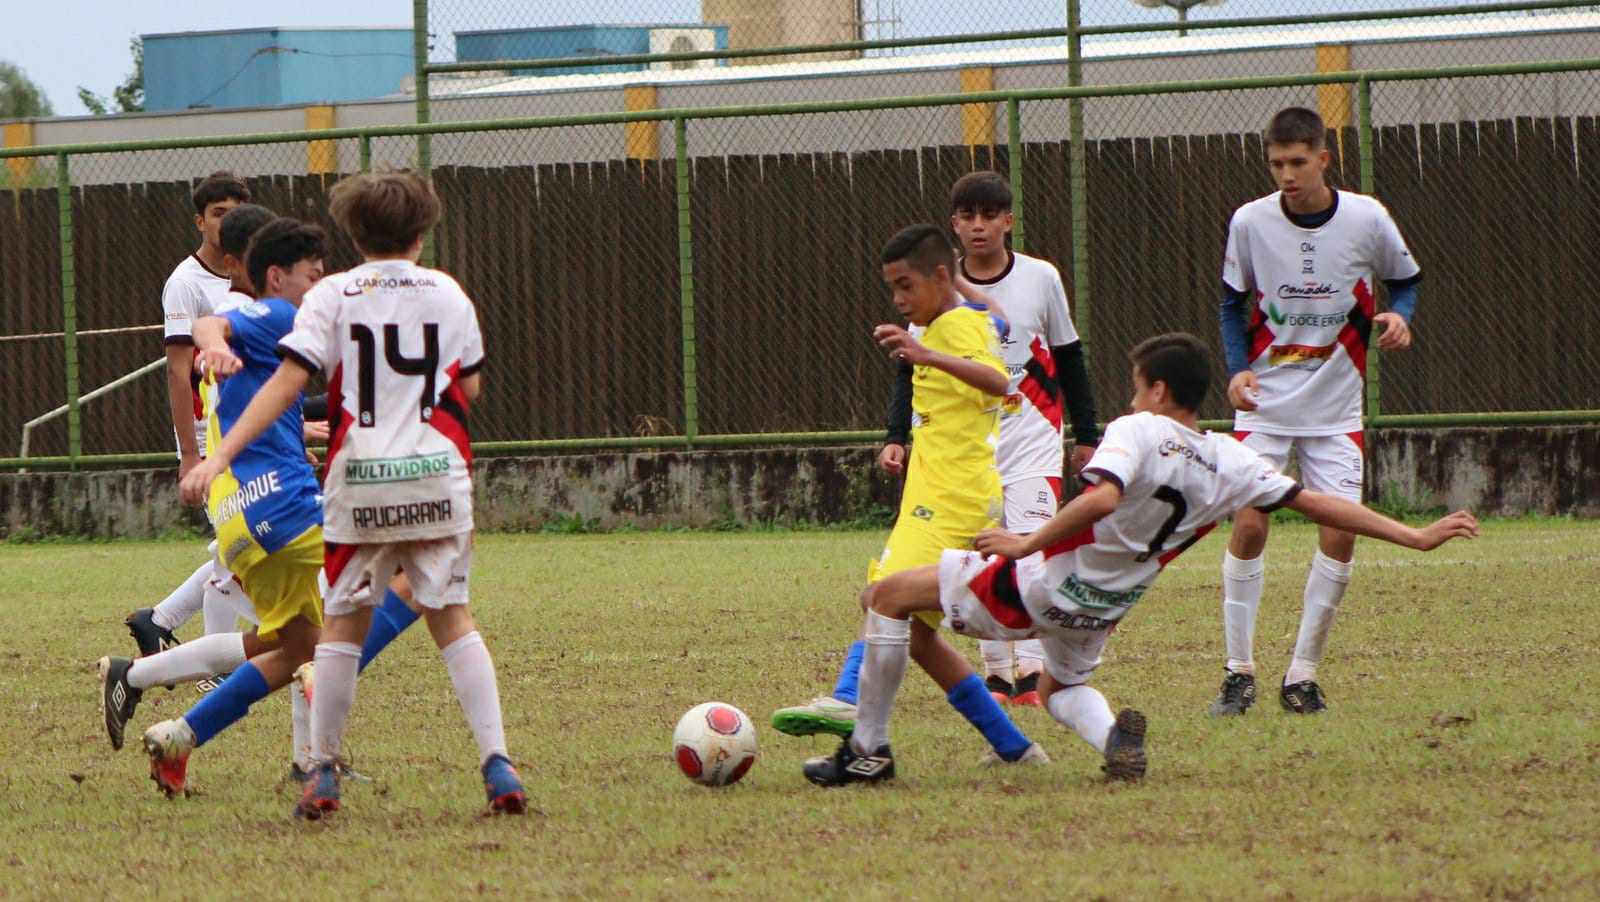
(271, 66)
(597, 41)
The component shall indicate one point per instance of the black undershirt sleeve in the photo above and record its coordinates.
(315, 408)
(1073, 373)
(899, 432)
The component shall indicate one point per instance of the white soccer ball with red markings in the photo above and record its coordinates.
(714, 744)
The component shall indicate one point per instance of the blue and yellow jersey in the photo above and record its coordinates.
(269, 495)
(952, 482)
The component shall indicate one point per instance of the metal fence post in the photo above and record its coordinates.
(69, 307)
(364, 152)
(419, 52)
(1079, 181)
(691, 403)
(1364, 143)
(1019, 234)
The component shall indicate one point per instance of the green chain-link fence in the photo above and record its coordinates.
(648, 278)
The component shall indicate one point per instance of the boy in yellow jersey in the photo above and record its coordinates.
(952, 485)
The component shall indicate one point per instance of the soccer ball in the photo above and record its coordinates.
(714, 744)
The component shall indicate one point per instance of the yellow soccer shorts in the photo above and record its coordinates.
(914, 543)
(283, 585)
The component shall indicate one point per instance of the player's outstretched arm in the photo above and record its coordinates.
(1089, 508)
(901, 345)
(269, 403)
(1328, 510)
(211, 334)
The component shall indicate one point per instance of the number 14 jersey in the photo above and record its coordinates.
(1176, 485)
(395, 339)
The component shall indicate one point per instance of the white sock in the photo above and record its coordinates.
(1084, 711)
(1325, 587)
(1030, 657)
(185, 601)
(996, 658)
(883, 668)
(472, 673)
(337, 664)
(1241, 598)
(300, 724)
(202, 657)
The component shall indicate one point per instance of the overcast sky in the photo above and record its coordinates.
(65, 43)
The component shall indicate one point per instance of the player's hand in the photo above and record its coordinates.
(1459, 525)
(900, 344)
(1396, 335)
(186, 463)
(221, 362)
(997, 541)
(312, 459)
(892, 459)
(314, 430)
(1081, 455)
(1243, 390)
(197, 484)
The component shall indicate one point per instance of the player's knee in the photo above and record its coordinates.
(1249, 534)
(867, 596)
(255, 645)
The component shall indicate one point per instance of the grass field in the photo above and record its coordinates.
(1460, 757)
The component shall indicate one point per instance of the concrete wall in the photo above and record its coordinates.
(1493, 472)
(1569, 94)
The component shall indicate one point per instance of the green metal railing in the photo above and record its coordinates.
(691, 436)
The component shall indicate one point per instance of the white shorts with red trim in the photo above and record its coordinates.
(440, 571)
(1331, 464)
(1030, 503)
(983, 598)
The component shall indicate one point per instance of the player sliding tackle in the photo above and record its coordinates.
(1157, 485)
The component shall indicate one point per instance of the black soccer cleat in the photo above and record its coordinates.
(118, 699)
(1237, 695)
(845, 766)
(1302, 698)
(1002, 690)
(1125, 747)
(150, 638)
(1026, 693)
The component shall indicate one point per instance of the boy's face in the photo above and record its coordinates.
(1147, 397)
(917, 296)
(238, 276)
(1298, 170)
(982, 232)
(210, 222)
(292, 284)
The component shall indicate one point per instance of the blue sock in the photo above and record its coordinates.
(388, 621)
(227, 703)
(850, 674)
(973, 700)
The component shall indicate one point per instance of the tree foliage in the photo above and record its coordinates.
(20, 96)
(127, 97)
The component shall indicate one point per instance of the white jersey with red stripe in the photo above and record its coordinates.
(192, 291)
(395, 339)
(1030, 293)
(1176, 485)
(1314, 304)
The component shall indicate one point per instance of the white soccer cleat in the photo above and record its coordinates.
(1033, 757)
(304, 677)
(823, 714)
(169, 743)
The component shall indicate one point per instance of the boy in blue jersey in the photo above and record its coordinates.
(266, 508)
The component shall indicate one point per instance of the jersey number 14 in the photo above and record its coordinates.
(367, 365)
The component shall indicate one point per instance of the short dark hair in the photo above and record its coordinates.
(979, 191)
(923, 246)
(1181, 361)
(282, 242)
(218, 186)
(237, 227)
(1296, 125)
(384, 213)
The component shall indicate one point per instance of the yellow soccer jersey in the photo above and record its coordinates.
(952, 482)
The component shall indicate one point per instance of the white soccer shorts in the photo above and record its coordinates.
(440, 571)
(1331, 464)
(1030, 502)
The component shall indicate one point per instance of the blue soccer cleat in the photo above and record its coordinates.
(321, 793)
(504, 786)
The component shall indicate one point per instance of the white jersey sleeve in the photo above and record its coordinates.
(1391, 258)
(1059, 328)
(1236, 269)
(311, 343)
(1118, 455)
